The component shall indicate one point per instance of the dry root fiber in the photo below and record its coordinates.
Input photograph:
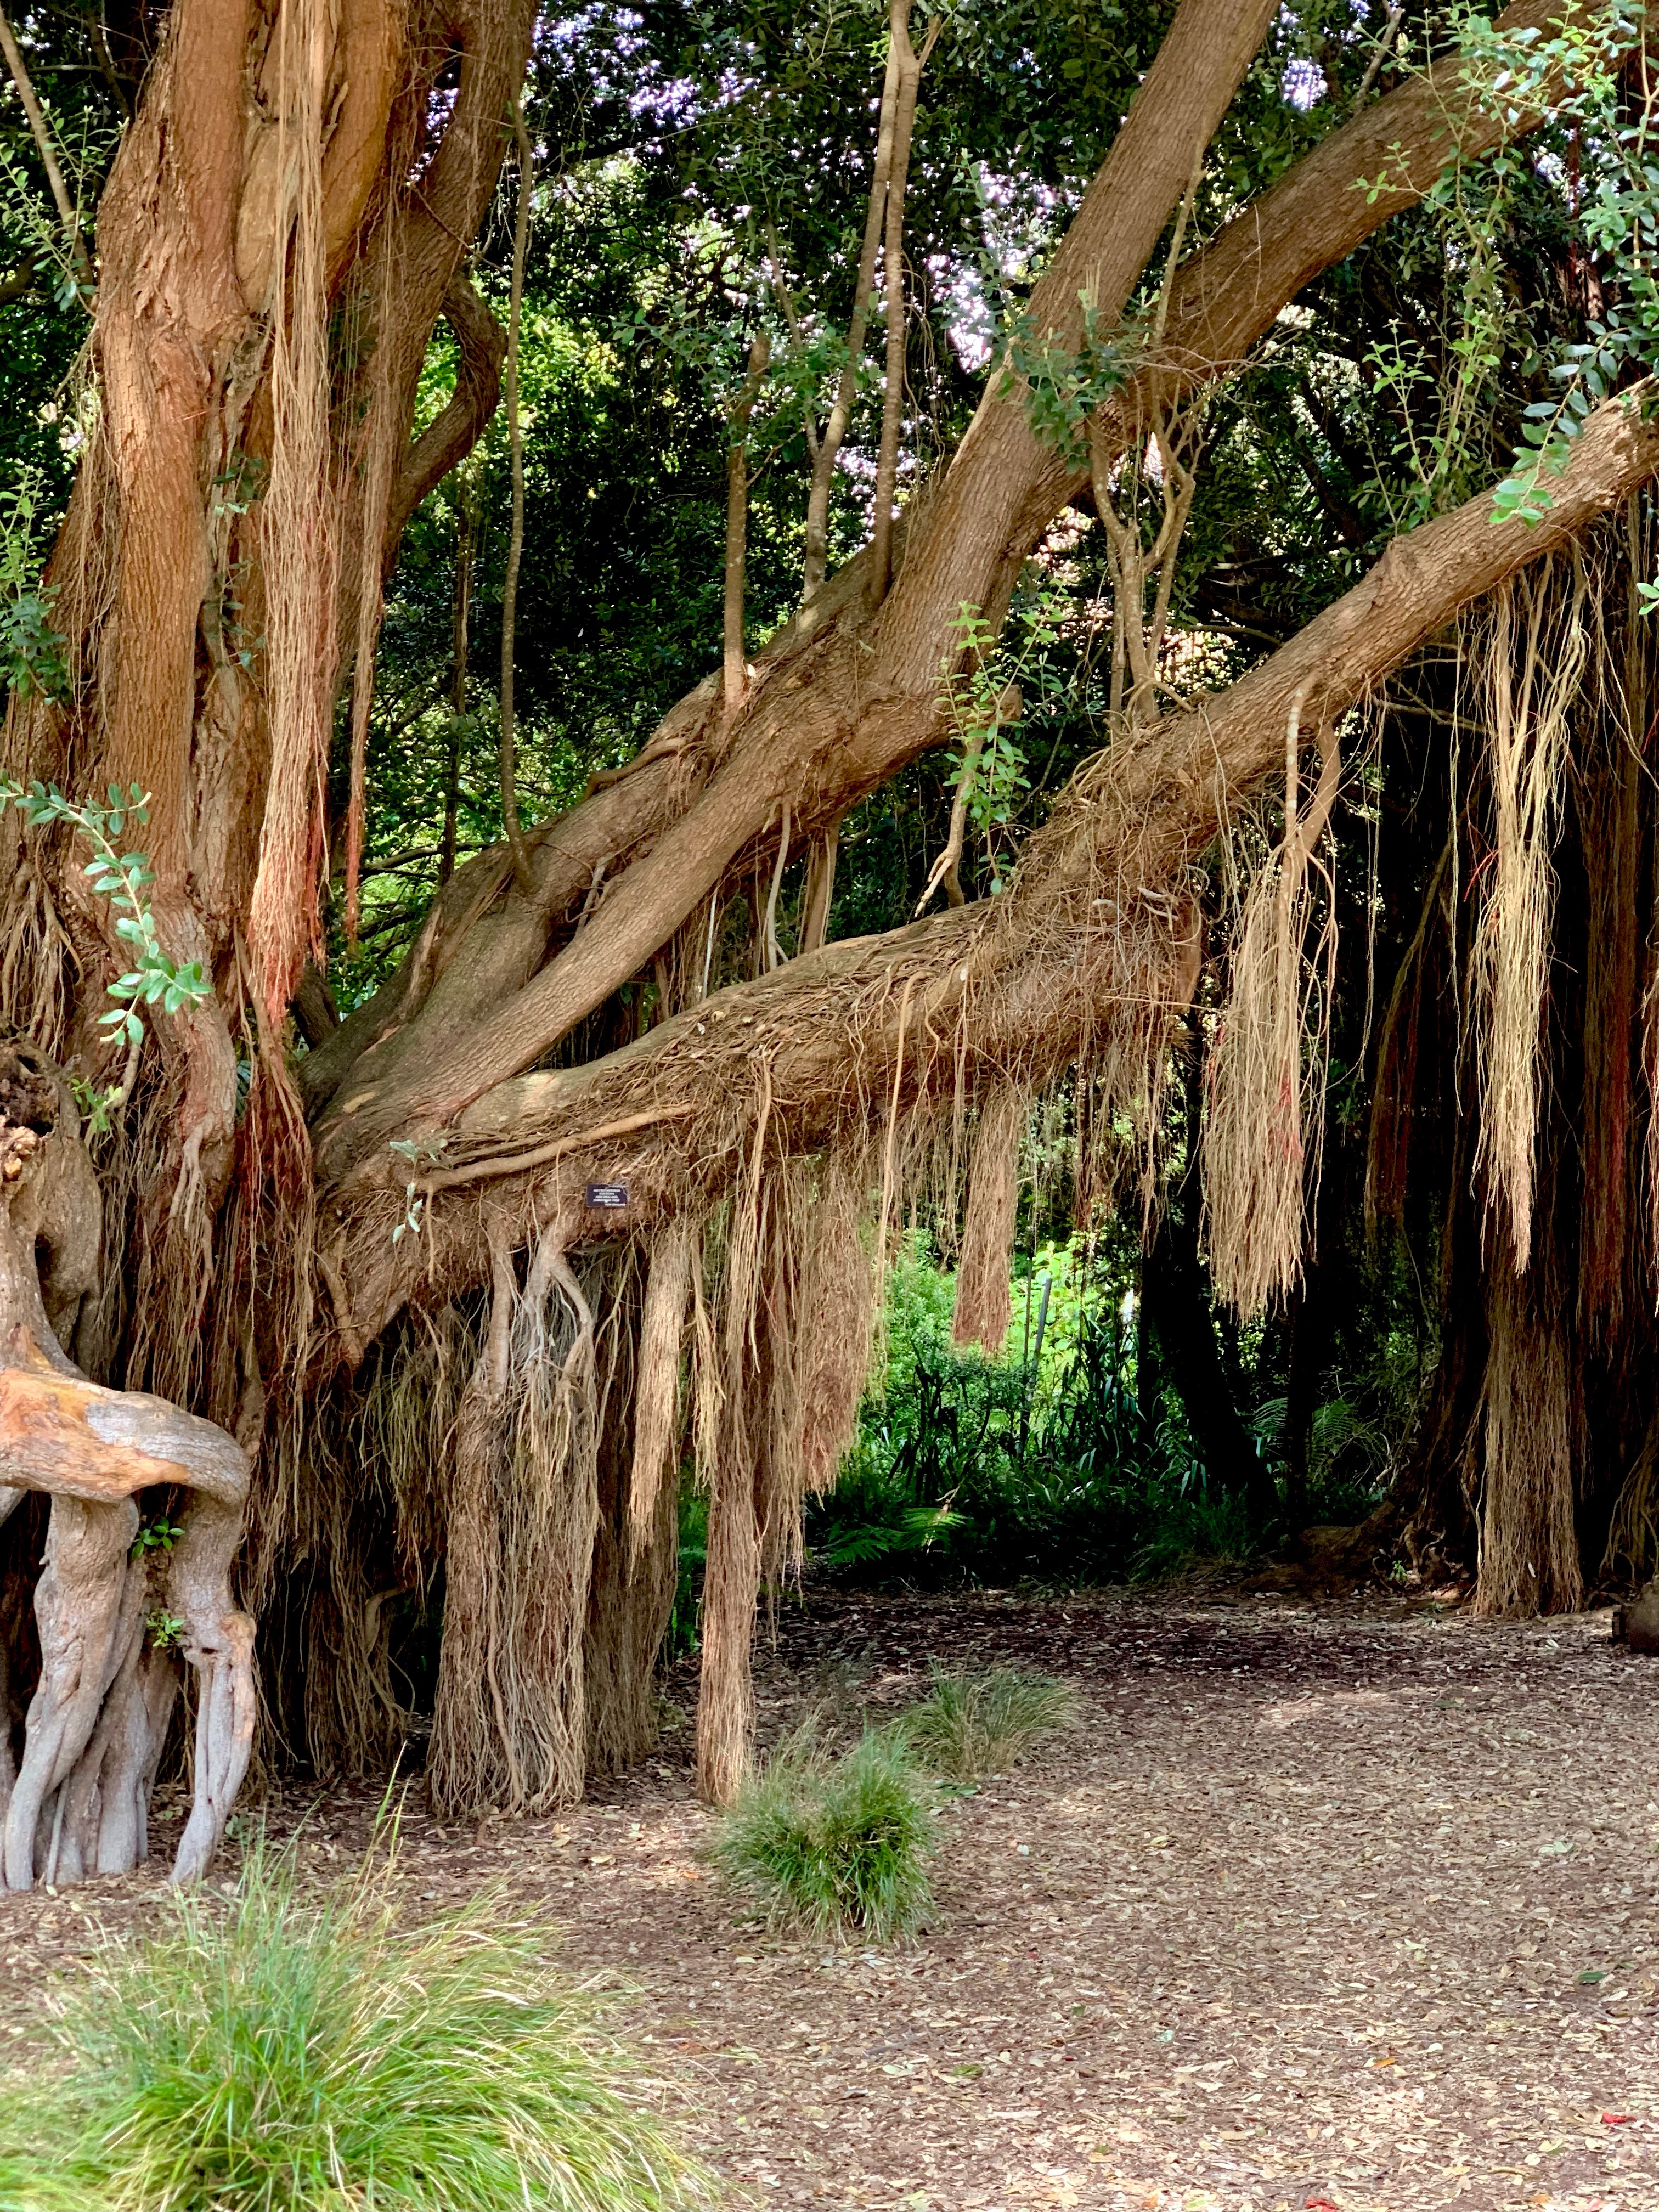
(657, 1397)
(836, 1317)
(982, 1307)
(510, 1725)
(1532, 653)
(784, 1308)
(1263, 1128)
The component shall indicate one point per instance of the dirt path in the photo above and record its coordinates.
(1349, 1910)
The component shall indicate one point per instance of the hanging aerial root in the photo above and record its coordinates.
(1263, 1129)
(983, 1304)
(549, 1522)
(657, 1394)
(836, 1314)
(748, 1432)
(474, 1759)
(1532, 653)
(510, 1723)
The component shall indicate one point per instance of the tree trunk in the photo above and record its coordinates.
(1089, 961)
(284, 225)
(309, 202)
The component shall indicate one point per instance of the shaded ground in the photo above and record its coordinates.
(1352, 1910)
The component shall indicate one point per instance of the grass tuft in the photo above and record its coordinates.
(291, 2052)
(835, 1846)
(970, 1725)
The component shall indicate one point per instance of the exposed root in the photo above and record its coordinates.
(1264, 1128)
(982, 1307)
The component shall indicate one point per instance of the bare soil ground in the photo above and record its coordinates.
(1346, 1908)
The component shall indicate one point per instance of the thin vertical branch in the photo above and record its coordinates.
(797, 335)
(79, 257)
(835, 429)
(377, 468)
(515, 547)
(465, 535)
(910, 66)
(735, 673)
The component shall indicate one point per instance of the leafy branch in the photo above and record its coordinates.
(1589, 373)
(1063, 385)
(124, 878)
(31, 654)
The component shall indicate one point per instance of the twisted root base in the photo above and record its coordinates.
(109, 1611)
(79, 1802)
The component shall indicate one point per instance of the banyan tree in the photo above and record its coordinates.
(302, 1310)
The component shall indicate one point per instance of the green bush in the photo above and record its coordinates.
(970, 1725)
(835, 1846)
(1058, 1461)
(283, 2053)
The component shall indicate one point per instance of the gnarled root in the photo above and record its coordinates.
(78, 1604)
(219, 1644)
(98, 1720)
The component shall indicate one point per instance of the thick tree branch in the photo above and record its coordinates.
(960, 551)
(827, 734)
(1095, 931)
(911, 65)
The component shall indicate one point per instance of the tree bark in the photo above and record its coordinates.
(284, 222)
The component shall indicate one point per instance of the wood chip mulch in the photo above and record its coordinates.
(1337, 1910)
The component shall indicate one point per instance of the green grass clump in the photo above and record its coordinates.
(970, 1725)
(28, 2184)
(835, 1846)
(285, 2052)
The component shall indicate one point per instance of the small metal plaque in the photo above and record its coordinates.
(611, 1194)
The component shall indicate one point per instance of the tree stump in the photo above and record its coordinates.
(116, 1618)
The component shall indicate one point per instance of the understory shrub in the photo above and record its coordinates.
(971, 1725)
(834, 1845)
(1057, 1461)
(283, 2051)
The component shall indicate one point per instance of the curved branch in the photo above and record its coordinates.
(959, 547)
(448, 439)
